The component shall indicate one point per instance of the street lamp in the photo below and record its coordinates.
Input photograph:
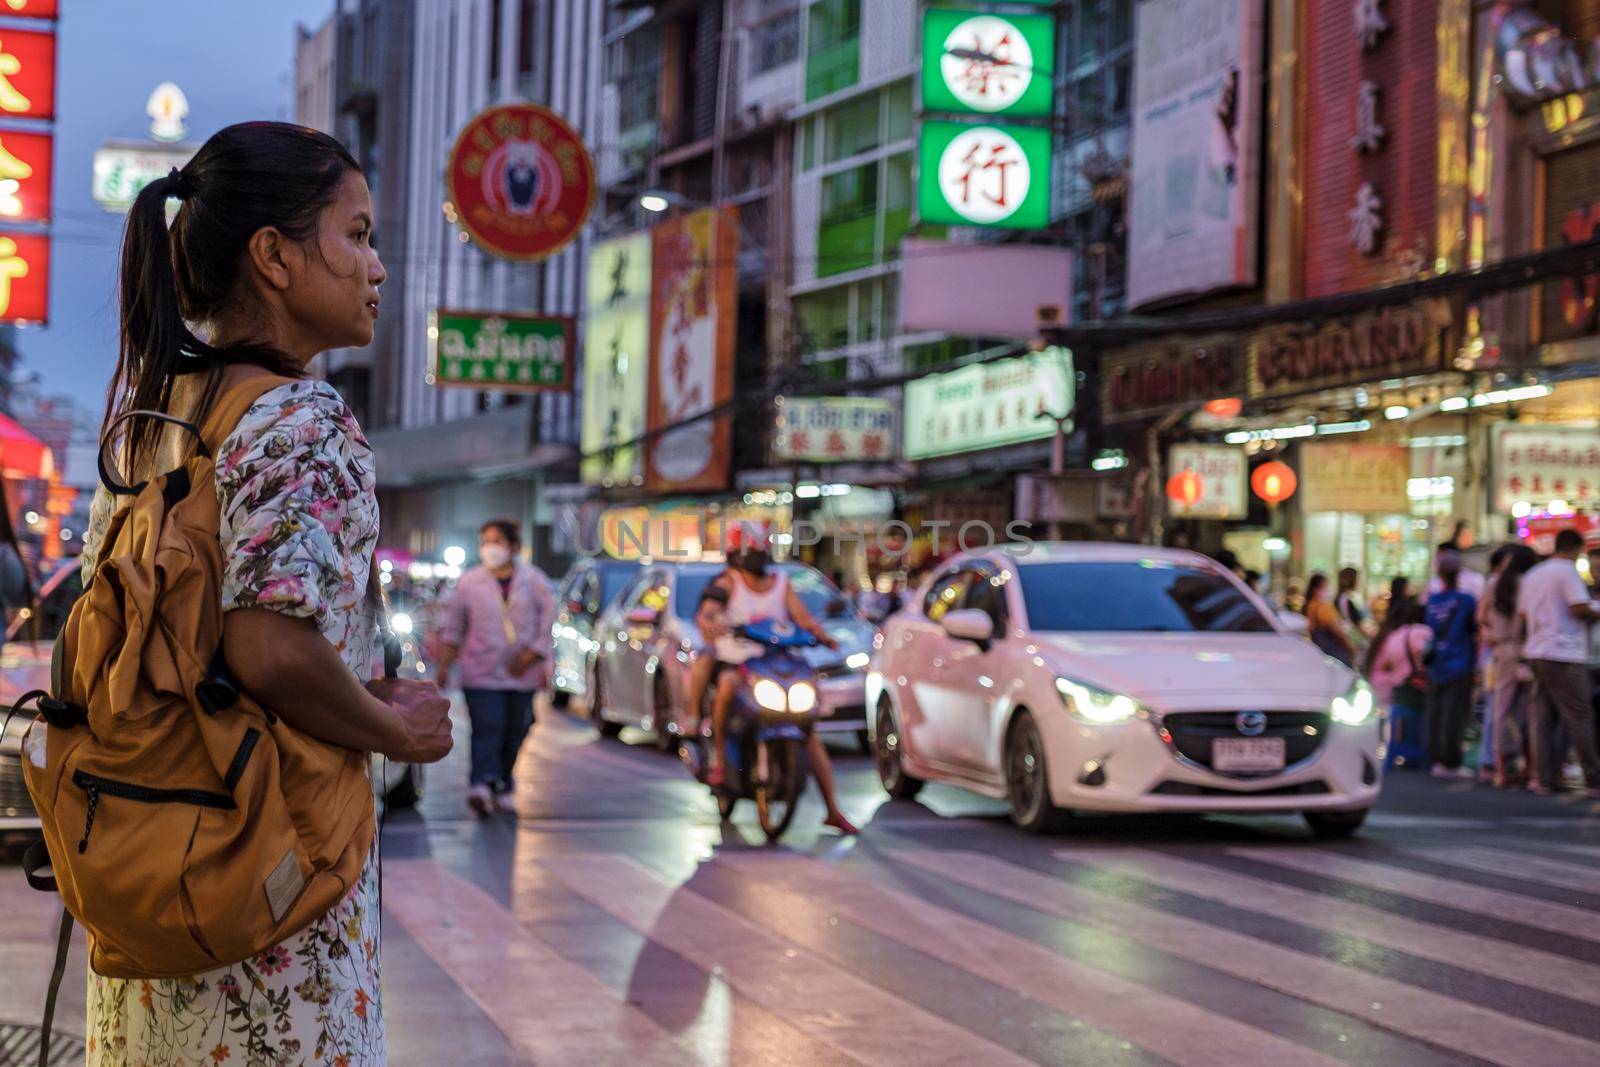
(655, 203)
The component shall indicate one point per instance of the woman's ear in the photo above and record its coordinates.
(269, 256)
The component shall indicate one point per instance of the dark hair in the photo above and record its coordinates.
(507, 528)
(1313, 587)
(1399, 589)
(1349, 578)
(1569, 540)
(1519, 560)
(246, 178)
(1407, 611)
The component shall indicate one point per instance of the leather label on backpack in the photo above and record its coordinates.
(283, 886)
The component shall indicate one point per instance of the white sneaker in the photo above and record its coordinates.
(1439, 770)
(1464, 772)
(479, 799)
(506, 802)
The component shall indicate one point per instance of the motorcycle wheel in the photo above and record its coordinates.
(778, 792)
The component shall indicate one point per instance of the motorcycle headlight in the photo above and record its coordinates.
(1095, 705)
(1355, 707)
(858, 661)
(769, 694)
(802, 697)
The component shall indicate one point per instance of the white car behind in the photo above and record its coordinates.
(1118, 678)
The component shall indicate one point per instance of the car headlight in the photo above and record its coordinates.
(802, 697)
(858, 660)
(401, 623)
(1355, 707)
(770, 695)
(1096, 705)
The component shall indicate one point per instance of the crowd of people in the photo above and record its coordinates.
(1521, 641)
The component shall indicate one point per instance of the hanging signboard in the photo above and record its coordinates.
(499, 352)
(521, 182)
(1153, 379)
(984, 175)
(987, 405)
(122, 169)
(24, 278)
(1391, 342)
(616, 358)
(1535, 464)
(834, 429)
(31, 9)
(692, 306)
(1215, 477)
(27, 74)
(25, 165)
(1359, 478)
(990, 64)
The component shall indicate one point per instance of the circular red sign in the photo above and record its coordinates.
(521, 182)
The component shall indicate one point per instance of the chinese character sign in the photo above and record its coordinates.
(27, 73)
(984, 175)
(30, 9)
(692, 307)
(25, 161)
(988, 64)
(1537, 464)
(500, 352)
(834, 429)
(616, 358)
(24, 278)
(1215, 477)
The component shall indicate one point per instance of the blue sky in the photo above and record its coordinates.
(234, 60)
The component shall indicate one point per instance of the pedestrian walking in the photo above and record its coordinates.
(1506, 676)
(1452, 616)
(1396, 668)
(269, 263)
(1557, 611)
(1326, 626)
(497, 629)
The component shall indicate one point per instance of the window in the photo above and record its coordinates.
(850, 194)
(851, 128)
(988, 595)
(945, 594)
(824, 319)
(775, 42)
(833, 46)
(901, 115)
(847, 234)
(1137, 596)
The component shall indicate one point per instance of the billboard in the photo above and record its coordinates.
(971, 175)
(694, 298)
(1018, 282)
(834, 429)
(616, 357)
(1367, 479)
(493, 350)
(123, 168)
(1196, 147)
(987, 405)
(989, 64)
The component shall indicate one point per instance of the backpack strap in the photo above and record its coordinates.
(234, 402)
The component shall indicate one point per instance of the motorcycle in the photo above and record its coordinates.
(768, 728)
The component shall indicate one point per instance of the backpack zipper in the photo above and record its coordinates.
(94, 785)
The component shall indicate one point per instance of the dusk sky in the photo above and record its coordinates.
(233, 60)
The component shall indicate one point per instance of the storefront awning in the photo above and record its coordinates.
(23, 455)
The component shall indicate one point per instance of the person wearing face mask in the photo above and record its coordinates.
(497, 629)
(747, 592)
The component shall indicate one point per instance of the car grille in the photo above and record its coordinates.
(849, 711)
(15, 803)
(1193, 731)
(1187, 789)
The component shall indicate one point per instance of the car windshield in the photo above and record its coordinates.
(1141, 596)
(816, 592)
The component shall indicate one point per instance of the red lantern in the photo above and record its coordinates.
(1225, 408)
(1185, 487)
(1274, 482)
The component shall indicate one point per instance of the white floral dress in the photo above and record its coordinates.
(299, 524)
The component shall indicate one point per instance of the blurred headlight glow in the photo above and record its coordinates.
(770, 695)
(858, 660)
(1355, 707)
(402, 623)
(1094, 705)
(802, 697)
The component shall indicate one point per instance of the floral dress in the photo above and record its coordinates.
(299, 524)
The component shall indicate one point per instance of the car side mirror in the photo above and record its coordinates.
(643, 617)
(1294, 622)
(969, 624)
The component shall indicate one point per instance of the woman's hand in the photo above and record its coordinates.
(424, 718)
(523, 661)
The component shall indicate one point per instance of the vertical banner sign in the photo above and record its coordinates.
(24, 278)
(984, 175)
(616, 358)
(27, 73)
(25, 164)
(692, 307)
(988, 64)
(30, 9)
(1196, 147)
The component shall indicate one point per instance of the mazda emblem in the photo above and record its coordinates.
(1251, 723)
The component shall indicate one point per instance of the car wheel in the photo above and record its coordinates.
(1334, 823)
(886, 754)
(597, 709)
(864, 741)
(666, 740)
(560, 699)
(1028, 779)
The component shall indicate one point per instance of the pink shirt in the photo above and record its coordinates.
(489, 629)
(1400, 656)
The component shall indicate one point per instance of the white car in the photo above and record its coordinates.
(1118, 678)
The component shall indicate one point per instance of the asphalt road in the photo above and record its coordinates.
(614, 920)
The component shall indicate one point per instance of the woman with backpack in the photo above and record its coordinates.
(270, 257)
(1397, 668)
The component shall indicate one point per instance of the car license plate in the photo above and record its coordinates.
(1247, 755)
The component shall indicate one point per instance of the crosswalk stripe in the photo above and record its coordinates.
(506, 970)
(1533, 968)
(1585, 878)
(1400, 1008)
(1174, 1029)
(814, 997)
(1493, 903)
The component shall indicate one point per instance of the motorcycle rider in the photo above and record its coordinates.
(748, 592)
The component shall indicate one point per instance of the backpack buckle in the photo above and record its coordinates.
(60, 715)
(216, 694)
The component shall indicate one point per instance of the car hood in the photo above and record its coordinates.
(1150, 667)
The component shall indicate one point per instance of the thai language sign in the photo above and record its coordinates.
(834, 429)
(1537, 464)
(492, 350)
(987, 405)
